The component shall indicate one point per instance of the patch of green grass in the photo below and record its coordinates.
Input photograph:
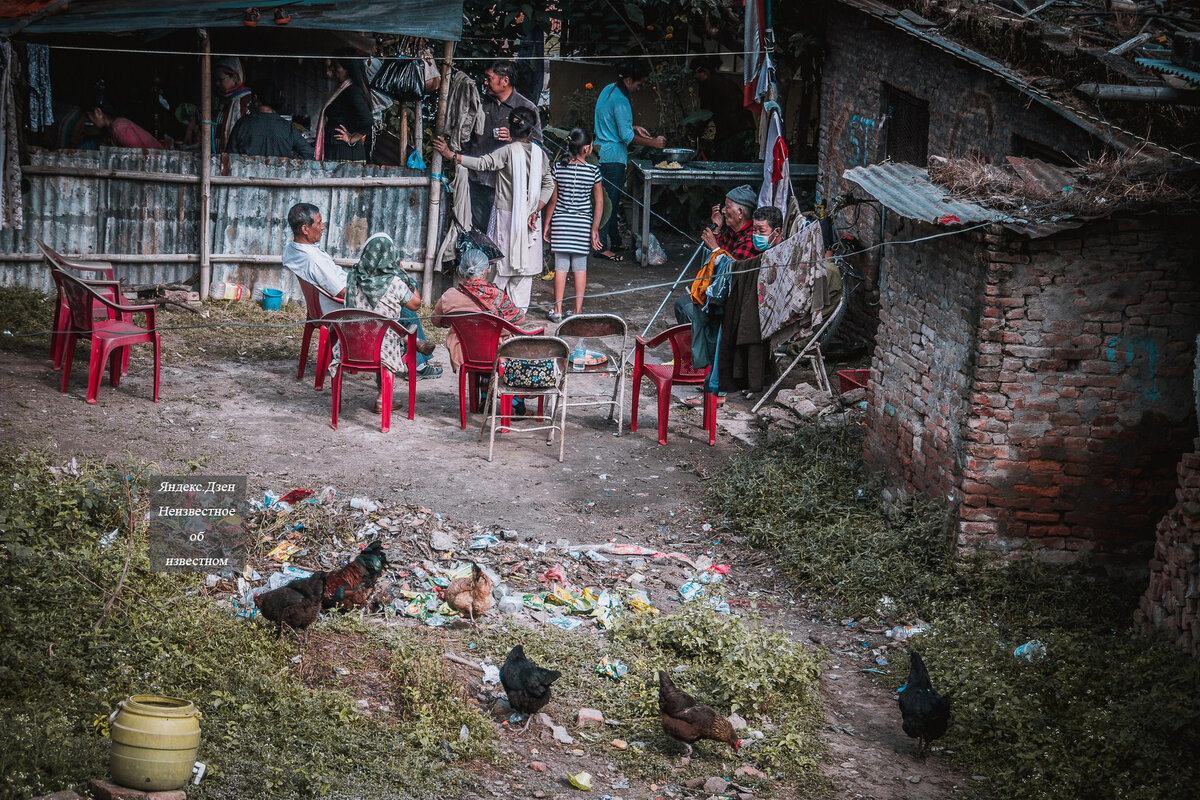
(730, 663)
(66, 660)
(237, 329)
(29, 316)
(1108, 713)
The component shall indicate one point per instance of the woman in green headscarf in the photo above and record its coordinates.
(379, 283)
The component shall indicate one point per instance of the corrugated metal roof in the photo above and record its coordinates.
(1170, 68)
(432, 19)
(907, 190)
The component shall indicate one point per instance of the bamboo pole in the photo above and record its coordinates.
(206, 145)
(435, 167)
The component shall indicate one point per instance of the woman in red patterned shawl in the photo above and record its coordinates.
(473, 294)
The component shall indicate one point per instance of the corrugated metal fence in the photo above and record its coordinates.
(91, 211)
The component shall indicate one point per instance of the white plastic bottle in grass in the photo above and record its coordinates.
(902, 632)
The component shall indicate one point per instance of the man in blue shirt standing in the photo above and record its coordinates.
(615, 132)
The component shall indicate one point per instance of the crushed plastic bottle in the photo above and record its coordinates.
(1033, 650)
(902, 632)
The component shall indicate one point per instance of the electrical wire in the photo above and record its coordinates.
(591, 295)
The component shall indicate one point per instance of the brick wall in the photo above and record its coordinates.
(969, 111)
(925, 354)
(1068, 361)
(1170, 605)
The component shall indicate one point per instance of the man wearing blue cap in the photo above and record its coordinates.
(731, 231)
(732, 224)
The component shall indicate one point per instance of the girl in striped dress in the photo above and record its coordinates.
(573, 218)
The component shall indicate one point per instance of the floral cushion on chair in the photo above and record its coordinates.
(539, 373)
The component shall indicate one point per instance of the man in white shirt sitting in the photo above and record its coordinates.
(309, 262)
(312, 264)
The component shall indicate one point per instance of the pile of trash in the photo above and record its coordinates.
(535, 582)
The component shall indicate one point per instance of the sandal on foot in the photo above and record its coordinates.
(608, 255)
(697, 401)
(556, 317)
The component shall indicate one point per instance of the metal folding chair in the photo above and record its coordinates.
(584, 327)
(530, 348)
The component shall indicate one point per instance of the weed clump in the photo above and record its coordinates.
(727, 662)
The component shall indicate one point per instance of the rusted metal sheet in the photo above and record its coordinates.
(86, 214)
(907, 191)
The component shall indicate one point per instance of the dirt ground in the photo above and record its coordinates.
(251, 418)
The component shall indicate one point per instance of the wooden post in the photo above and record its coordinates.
(206, 145)
(404, 132)
(435, 167)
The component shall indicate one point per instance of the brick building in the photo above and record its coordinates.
(1035, 370)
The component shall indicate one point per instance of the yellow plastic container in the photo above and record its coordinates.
(154, 742)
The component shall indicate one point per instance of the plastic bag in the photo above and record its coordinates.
(656, 255)
(400, 80)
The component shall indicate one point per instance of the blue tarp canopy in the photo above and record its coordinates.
(431, 19)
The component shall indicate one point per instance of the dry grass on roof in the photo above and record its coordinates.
(1095, 188)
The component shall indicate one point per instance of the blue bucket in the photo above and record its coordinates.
(272, 299)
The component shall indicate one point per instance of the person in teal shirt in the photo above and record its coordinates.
(615, 132)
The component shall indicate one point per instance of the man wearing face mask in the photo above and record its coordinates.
(766, 228)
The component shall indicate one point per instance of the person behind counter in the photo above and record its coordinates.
(346, 117)
(119, 130)
(265, 133)
(722, 95)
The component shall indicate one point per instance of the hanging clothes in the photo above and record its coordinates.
(755, 52)
(789, 272)
(41, 102)
(11, 210)
(744, 359)
(464, 111)
(777, 175)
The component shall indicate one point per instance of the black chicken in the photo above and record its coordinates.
(926, 713)
(296, 604)
(527, 684)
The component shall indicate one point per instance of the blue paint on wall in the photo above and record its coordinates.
(860, 130)
(1137, 356)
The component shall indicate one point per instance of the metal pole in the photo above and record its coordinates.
(206, 143)
(674, 285)
(435, 168)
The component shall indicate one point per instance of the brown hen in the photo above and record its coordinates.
(471, 595)
(686, 720)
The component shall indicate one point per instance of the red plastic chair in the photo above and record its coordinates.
(108, 336)
(312, 305)
(479, 334)
(360, 334)
(100, 270)
(663, 376)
